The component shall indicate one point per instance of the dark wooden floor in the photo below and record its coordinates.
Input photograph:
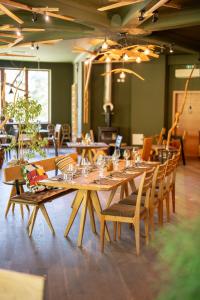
(73, 273)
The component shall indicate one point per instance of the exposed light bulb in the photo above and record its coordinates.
(46, 17)
(18, 32)
(107, 59)
(86, 62)
(104, 46)
(32, 46)
(138, 59)
(122, 75)
(171, 50)
(147, 51)
(125, 57)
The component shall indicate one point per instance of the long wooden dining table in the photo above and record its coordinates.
(87, 188)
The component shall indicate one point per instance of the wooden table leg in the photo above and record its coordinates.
(76, 204)
(112, 194)
(90, 156)
(122, 192)
(98, 209)
(126, 189)
(83, 218)
(132, 185)
(91, 214)
(12, 193)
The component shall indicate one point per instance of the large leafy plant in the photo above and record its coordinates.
(25, 111)
(180, 252)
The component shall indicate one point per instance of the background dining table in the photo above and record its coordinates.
(86, 149)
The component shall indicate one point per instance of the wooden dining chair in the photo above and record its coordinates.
(66, 133)
(122, 213)
(176, 159)
(147, 148)
(168, 185)
(156, 199)
(56, 137)
(50, 128)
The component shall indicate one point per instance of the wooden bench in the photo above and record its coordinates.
(37, 200)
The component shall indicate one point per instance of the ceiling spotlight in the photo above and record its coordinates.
(171, 50)
(138, 59)
(107, 59)
(125, 57)
(18, 32)
(32, 46)
(104, 45)
(34, 18)
(155, 16)
(37, 47)
(141, 16)
(147, 51)
(46, 17)
(11, 91)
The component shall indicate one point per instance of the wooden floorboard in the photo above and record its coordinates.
(73, 273)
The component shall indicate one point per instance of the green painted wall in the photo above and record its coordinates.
(148, 97)
(61, 80)
(138, 105)
(178, 84)
(141, 106)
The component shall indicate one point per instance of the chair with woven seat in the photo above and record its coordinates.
(66, 133)
(168, 185)
(55, 138)
(122, 213)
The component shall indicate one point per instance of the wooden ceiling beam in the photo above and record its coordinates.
(178, 19)
(10, 14)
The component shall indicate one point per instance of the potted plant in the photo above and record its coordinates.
(25, 111)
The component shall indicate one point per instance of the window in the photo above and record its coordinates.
(35, 83)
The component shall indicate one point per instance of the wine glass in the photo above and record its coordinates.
(85, 164)
(126, 156)
(101, 163)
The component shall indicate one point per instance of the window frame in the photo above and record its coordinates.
(2, 76)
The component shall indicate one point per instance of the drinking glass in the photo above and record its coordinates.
(101, 163)
(86, 166)
(126, 157)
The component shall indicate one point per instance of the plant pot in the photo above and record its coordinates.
(1, 157)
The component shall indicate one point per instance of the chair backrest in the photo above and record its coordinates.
(161, 136)
(144, 190)
(66, 129)
(14, 172)
(169, 172)
(118, 141)
(57, 131)
(158, 182)
(147, 147)
(137, 139)
(92, 135)
(50, 128)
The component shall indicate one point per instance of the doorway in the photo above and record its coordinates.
(189, 120)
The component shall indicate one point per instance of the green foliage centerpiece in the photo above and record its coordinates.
(25, 111)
